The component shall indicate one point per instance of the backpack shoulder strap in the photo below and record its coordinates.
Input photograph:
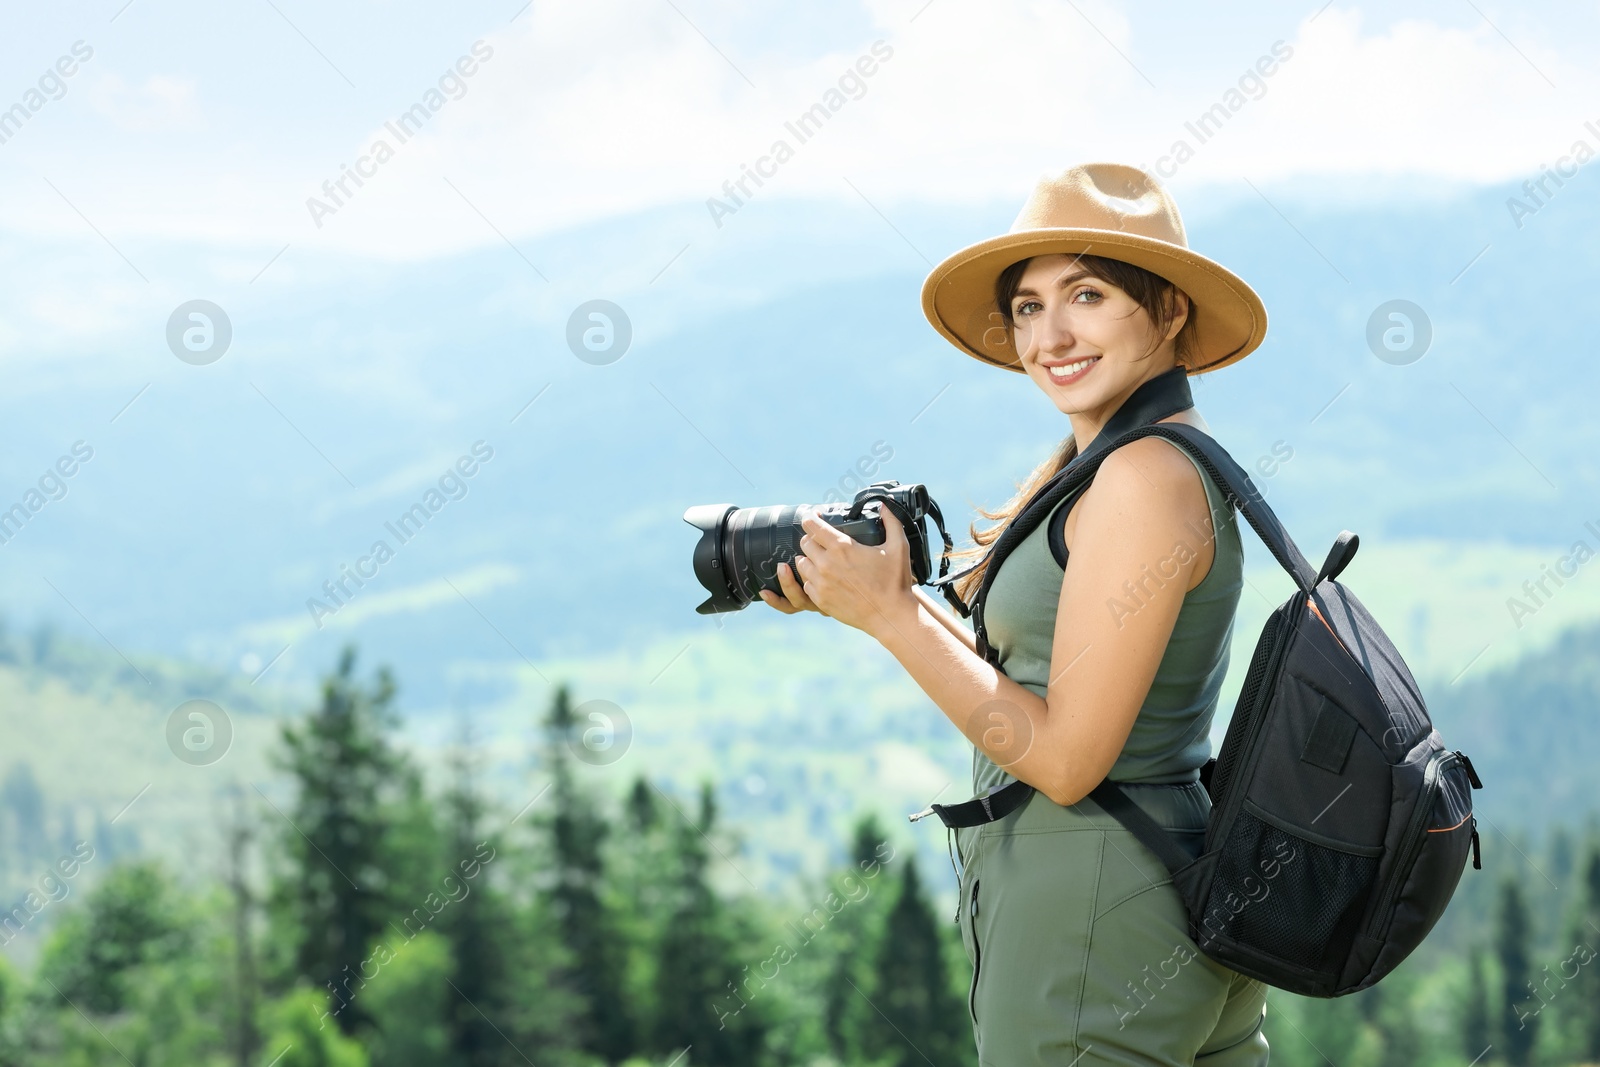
(1073, 478)
(1237, 489)
(1242, 494)
(1137, 821)
(1240, 491)
(1235, 484)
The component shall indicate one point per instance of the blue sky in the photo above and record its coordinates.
(181, 158)
(217, 123)
(575, 162)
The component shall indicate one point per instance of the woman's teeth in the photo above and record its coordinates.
(1071, 368)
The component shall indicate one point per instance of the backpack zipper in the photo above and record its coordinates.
(1411, 842)
(1476, 783)
(977, 956)
(1241, 726)
(1249, 736)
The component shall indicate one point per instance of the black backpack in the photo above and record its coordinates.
(1340, 821)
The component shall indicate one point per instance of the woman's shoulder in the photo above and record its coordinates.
(1153, 474)
(1157, 481)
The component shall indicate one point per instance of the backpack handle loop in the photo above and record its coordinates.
(1339, 557)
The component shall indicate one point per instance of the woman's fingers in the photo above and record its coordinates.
(791, 589)
(787, 606)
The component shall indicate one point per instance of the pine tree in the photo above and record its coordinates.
(333, 895)
(1584, 946)
(1519, 1020)
(639, 877)
(22, 795)
(1393, 1020)
(642, 810)
(912, 991)
(700, 986)
(246, 1037)
(474, 926)
(1475, 1017)
(845, 1013)
(1562, 854)
(134, 918)
(577, 833)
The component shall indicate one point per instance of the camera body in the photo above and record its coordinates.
(740, 548)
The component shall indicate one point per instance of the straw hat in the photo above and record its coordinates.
(1102, 209)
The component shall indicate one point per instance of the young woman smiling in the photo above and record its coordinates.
(1109, 665)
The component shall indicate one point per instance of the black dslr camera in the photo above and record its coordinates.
(740, 548)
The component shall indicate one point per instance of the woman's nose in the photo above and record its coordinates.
(1052, 332)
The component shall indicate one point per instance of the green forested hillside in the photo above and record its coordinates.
(87, 763)
(358, 911)
(797, 745)
(803, 724)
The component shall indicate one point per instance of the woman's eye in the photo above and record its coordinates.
(1024, 308)
(1089, 292)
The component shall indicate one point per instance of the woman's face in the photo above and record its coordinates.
(1083, 340)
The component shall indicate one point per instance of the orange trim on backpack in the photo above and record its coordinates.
(1444, 829)
(1313, 606)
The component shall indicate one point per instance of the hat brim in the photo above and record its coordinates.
(1229, 319)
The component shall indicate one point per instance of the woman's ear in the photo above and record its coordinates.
(1178, 300)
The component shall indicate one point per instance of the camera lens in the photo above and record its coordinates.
(739, 550)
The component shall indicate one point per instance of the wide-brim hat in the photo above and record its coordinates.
(1102, 209)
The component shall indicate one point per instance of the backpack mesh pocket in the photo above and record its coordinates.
(1285, 896)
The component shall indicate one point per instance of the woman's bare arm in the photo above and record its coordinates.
(1136, 530)
(795, 599)
(947, 618)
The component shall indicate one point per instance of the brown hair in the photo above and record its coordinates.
(1151, 292)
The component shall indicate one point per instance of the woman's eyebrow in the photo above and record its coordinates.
(1060, 282)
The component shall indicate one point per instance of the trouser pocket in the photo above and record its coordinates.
(967, 904)
(976, 952)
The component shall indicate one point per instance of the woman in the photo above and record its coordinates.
(1111, 666)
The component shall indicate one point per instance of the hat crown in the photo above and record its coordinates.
(1103, 196)
(1102, 209)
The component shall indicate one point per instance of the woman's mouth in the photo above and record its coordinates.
(1068, 373)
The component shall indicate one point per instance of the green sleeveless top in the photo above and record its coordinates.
(1170, 739)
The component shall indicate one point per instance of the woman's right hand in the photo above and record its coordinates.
(796, 596)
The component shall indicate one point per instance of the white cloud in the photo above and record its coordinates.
(973, 104)
(162, 102)
(596, 108)
(1418, 98)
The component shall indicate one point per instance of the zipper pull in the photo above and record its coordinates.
(1477, 861)
(923, 814)
(1472, 775)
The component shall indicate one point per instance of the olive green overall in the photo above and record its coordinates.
(1077, 938)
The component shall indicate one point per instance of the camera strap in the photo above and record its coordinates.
(942, 582)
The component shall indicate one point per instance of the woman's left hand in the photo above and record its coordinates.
(864, 586)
